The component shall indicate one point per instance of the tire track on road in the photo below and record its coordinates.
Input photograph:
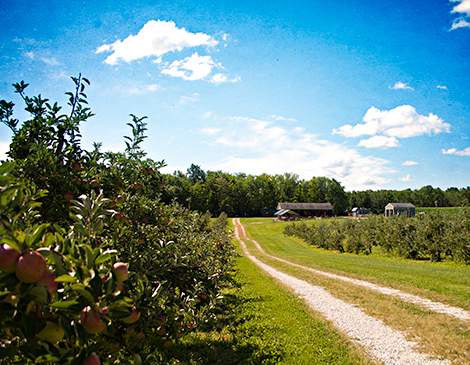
(424, 303)
(388, 346)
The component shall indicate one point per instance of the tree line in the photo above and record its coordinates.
(251, 195)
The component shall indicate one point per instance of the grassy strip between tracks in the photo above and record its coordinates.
(445, 282)
(439, 334)
(263, 323)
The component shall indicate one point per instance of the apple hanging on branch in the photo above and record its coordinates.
(30, 267)
(8, 258)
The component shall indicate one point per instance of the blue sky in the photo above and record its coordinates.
(372, 93)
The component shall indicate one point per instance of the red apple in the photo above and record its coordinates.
(120, 271)
(137, 185)
(104, 278)
(94, 183)
(53, 332)
(161, 331)
(68, 196)
(120, 287)
(8, 258)
(30, 267)
(91, 321)
(92, 360)
(133, 317)
(48, 281)
(76, 166)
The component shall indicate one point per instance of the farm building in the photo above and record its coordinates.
(359, 212)
(305, 209)
(400, 209)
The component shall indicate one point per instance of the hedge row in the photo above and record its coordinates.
(432, 236)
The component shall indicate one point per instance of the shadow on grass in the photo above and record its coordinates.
(233, 337)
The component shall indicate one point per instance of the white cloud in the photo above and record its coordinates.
(144, 90)
(401, 122)
(463, 7)
(278, 117)
(4, 148)
(379, 142)
(189, 98)
(443, 87)
(50, 61)
(221, 78)
(410, 163)
(454, 151)
(406, 178)
(400, 86)
(460, 23)
(210, 131)
(156, 38)
(191, 68)
(259, 146)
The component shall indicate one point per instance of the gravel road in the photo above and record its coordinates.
(386, 345)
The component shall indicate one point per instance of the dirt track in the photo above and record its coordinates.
(384, 344)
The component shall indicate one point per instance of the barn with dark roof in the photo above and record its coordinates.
(305, 209)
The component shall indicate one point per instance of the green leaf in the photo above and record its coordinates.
(89, 256)
(81, 289)
(39, 292)
(7, 167)
(103, 258)
(64, 305)
(66, 279)
(38, 233)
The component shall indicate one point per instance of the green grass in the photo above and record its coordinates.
(261, 323)
(447, 281)
(441, 209)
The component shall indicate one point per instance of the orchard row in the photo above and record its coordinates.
(433, 236)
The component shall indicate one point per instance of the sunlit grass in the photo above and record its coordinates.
(261, 323)
(438, 334)
(446, 281)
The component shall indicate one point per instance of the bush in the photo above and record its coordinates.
(433, 235)
(173, 262)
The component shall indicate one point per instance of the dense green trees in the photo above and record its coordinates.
(427, 196)
(241, 194)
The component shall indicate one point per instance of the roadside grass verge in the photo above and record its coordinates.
(262, 323)
(446, 282)
(438, 334)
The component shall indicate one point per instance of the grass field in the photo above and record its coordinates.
(445, 282)
(261, 323)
